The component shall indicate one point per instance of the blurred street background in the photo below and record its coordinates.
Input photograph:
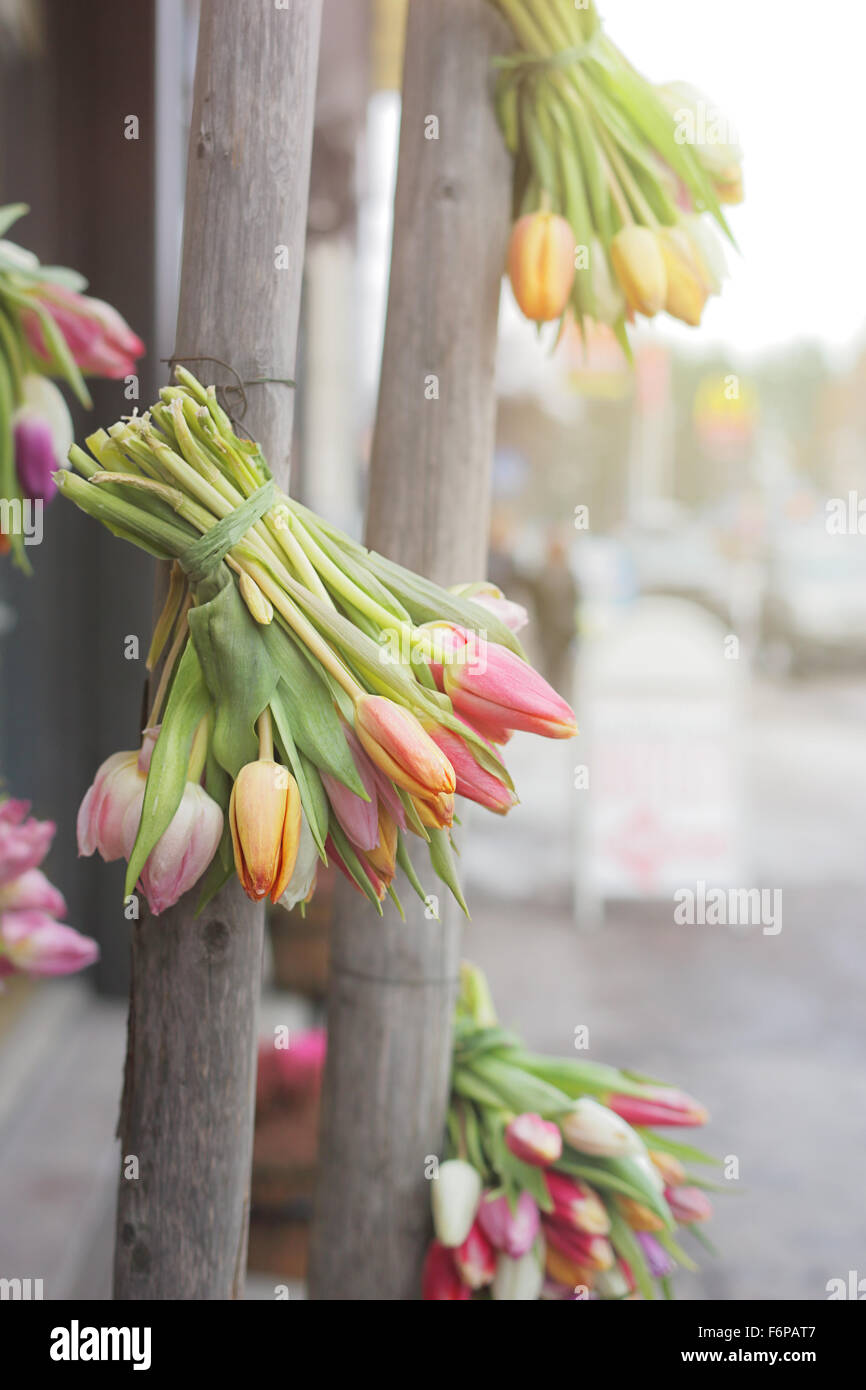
(686, 538)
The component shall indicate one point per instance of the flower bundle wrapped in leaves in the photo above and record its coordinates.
(555, 1184)
(617, 183)
(48, 328)
(317, 703)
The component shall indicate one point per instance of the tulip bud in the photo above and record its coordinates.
(669, 1169)
(565, 1270)
(591, 1251)
(511, 1231)
(594, 1129)
(687, 291)
(611, 1283)
(440, 1279)
(489, 683)
(659, 1105)
(32, 942)
(383, 857)
(43, 435)
(265, 823)
(118, 782)
(455, 1195)
(658, 1259)
(534, 1140)
(475, 1259)
(609, 298)
(473, 781)
(577, 1205)
(640, 268)
(541, 264)
(436, 812)
(639, 1216)
(303, 880)
(396, 742)
(518, 1280)
(688, 1204)
(183, 851)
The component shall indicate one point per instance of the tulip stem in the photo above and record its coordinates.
(266, 735)
(167, 670)
(303, 627)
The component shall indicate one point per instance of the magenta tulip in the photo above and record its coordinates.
(511, 1231)
(534, 1140)
(99, 339)
(659, 1105)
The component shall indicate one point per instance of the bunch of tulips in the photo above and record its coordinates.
(48, 328)
(555, 1184)
(617, 183)
(317, 702)
(33, 941)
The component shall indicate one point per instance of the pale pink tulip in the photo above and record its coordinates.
(24, 841)
(118, 782)
(32, 890)
(32, 942)
(181, 855)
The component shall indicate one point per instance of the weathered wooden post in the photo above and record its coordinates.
(187, 1110)
(392, 985)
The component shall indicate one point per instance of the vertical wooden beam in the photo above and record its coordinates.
(187, 1110)
(392, 986)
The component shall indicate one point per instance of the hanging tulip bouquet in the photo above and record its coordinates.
(617, 183)
(48, 328)
(556, 1184)
(317, 702)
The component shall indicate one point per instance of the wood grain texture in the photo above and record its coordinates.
(187, 1110)
(393, 984)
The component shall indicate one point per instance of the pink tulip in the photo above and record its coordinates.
(397, 744)
(510, 1231)
(32, 891)
(489, 683)
(33, 942)
(688, 1204)
(440, 1280)
(659, 1105)
(183, 852)
(576, 1205)
(24, 841)
(473, 781)
(99, 339)
(359, 818)
(534, 1140)
(513, 615)
(118, 782)
(475, 1259)
(293, 1070)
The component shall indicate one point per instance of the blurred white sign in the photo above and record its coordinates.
(659, 711)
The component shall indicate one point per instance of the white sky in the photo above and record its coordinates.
(791, 76)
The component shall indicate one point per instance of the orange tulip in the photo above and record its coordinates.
(265, 822)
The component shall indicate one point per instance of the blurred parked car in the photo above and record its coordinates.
(814, 610)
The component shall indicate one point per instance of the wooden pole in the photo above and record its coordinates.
(187, 1109)
(393, 985)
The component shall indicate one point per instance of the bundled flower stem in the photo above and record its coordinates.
(616, 182)
(48, 328)
(318, 703)
(555, 1184)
